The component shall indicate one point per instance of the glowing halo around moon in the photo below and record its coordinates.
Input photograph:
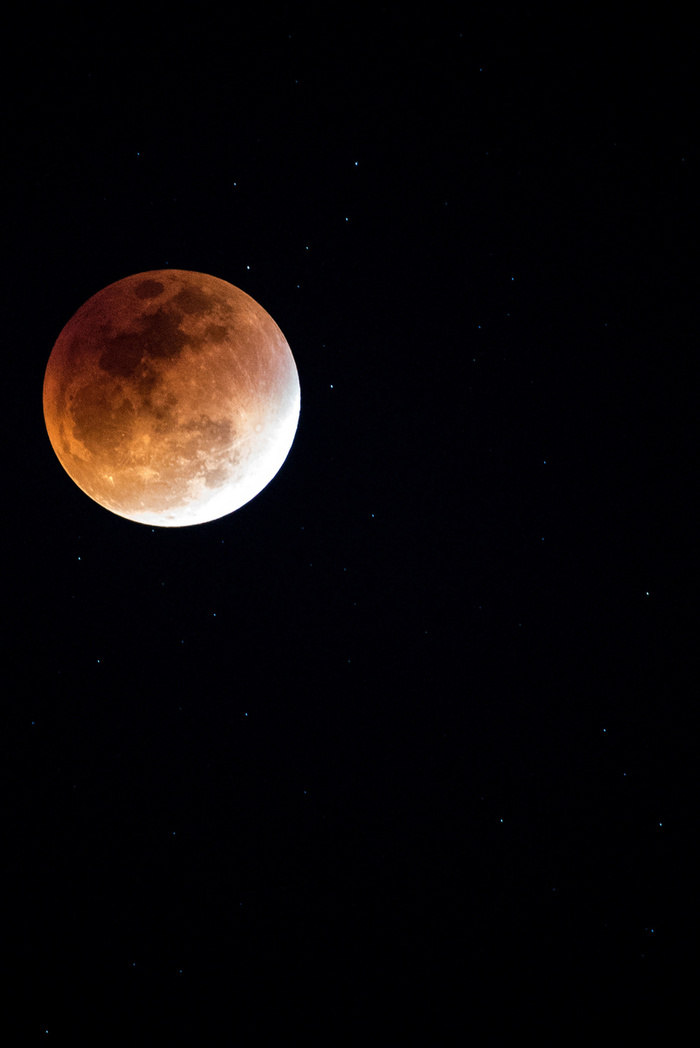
(171, 398)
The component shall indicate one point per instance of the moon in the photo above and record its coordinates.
(171, 398)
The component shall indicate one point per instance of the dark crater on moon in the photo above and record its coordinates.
(160, 339)
(192, 300)
(149, 289)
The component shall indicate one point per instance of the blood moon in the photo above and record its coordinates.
(171, 398)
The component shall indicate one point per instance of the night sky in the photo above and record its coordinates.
(406, 742)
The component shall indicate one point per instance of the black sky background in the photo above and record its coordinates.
(407, 739)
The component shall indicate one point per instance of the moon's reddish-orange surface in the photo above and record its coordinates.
(171, 398)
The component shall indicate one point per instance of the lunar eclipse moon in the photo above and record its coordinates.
(171, 398)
